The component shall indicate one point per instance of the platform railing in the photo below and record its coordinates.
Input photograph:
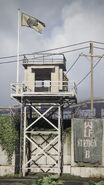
(45, 58)
(45, 86)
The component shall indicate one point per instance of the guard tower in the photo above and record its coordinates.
(43, 95)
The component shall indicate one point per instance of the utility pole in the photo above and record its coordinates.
(91, 56)
(92, 83)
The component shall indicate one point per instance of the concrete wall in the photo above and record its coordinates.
(87, 169)
(69, 164)
(29, 79)
(56, 76)
(54, 80)
(48, 160)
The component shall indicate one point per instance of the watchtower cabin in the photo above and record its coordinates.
(44, 94)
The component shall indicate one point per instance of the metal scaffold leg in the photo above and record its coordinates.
(42, 139)
(21, 137)
(24, 143)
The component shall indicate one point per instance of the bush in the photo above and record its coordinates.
(48, 180)
(8, 135)
(94, 183)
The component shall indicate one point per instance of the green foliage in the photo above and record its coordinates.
(49, 180)
(94, 183)
(100, 183)
(8, 135)
(38, 182)
(89, 183)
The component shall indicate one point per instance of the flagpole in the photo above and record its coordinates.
(18, 45)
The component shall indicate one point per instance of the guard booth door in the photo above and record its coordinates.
(42, 80)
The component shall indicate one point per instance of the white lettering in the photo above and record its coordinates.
(87, 154)
(88, 129)
(87, 143)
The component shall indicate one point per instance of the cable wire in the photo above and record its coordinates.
(97, 42)
(89, 72)
(63, 47)
(9, 62)
(98, 47)
(74, 50)
(43, 51)
(80, 43)
(12, 56)
(52, 49)
(72, 65)
(47, 55)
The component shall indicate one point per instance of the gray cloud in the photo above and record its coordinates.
(67, 22)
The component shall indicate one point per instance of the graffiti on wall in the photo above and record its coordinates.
(88, 140)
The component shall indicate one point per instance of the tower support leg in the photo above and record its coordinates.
(46, 153)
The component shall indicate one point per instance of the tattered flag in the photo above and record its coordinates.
(32, 22)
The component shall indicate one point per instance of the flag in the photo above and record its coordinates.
(32, 22)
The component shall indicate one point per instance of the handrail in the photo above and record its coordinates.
(43, 86)
(46, 58)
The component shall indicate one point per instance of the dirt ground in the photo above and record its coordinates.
(5, 181)
(29, 181)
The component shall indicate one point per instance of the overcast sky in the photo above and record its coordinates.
(67, 22)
